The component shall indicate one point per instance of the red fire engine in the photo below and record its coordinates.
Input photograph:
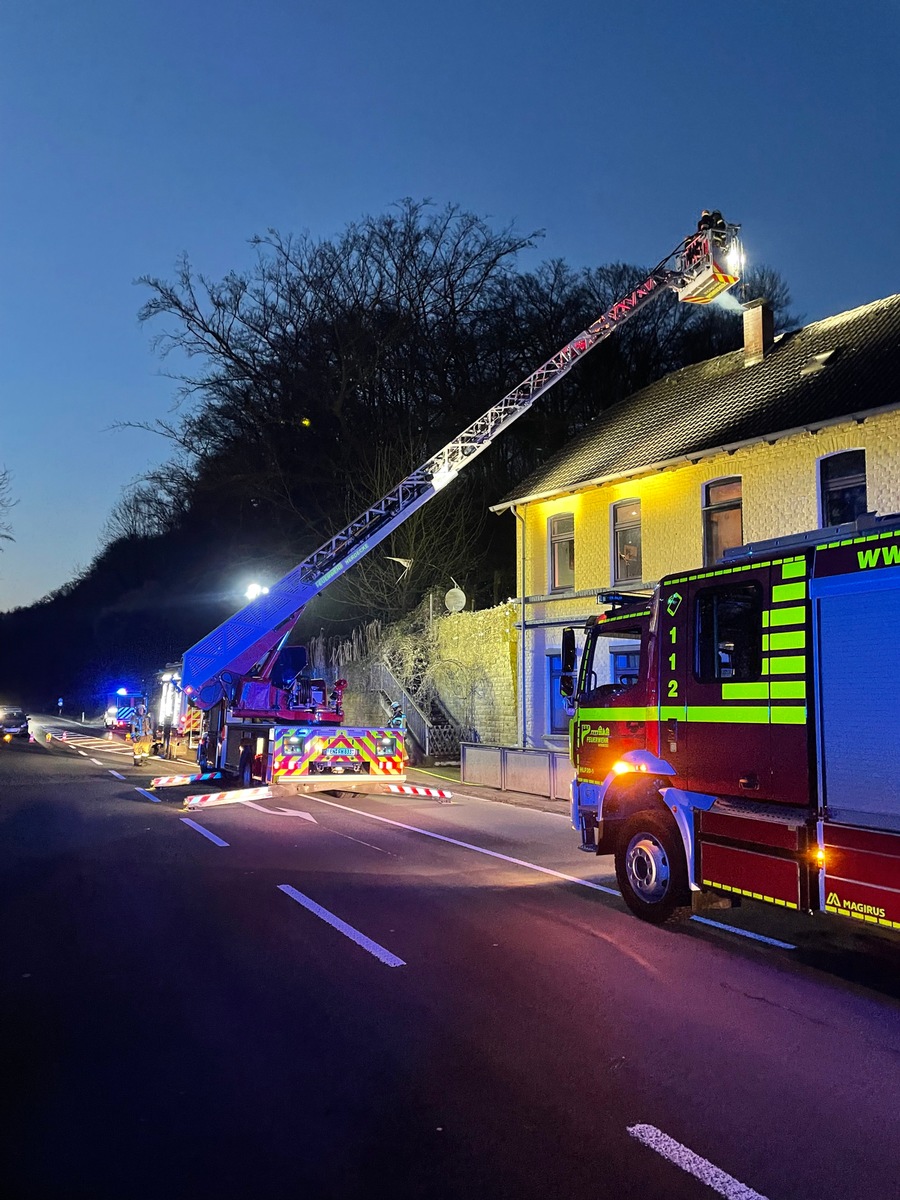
(754, 755)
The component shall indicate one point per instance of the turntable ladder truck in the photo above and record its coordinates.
(241, 672)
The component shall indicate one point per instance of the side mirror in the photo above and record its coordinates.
(566, 686)
(568, 652)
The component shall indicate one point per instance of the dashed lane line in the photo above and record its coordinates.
(149, 795)
(701, 1168)
(217, 841)
(98, 762)
(116, 773)
(378, 951)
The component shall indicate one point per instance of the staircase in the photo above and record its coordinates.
(434, 731)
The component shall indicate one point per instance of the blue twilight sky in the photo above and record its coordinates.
(132, 131)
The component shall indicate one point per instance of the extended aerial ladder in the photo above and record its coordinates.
(234, 663)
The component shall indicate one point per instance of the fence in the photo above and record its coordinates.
(512, 769)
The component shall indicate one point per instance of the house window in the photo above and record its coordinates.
(627, 541)
(562, 552)
(723, 525)
(729, 633)
(557, 717)
(842, 486)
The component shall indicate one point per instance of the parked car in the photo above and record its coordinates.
(13, 721)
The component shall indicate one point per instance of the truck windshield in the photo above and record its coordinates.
(607, 664)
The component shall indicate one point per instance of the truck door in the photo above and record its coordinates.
(726, 686)
(673, 651)
(612, 717)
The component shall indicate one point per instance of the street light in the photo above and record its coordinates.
(254, 590)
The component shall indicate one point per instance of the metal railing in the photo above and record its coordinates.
(435, 739)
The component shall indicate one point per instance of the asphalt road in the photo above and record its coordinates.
(381, 1002)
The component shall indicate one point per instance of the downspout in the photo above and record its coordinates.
(520, 516)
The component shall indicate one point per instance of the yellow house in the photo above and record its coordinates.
(789, 433)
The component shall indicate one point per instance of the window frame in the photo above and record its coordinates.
(822, 493)
(554, 540)
(615, 526)
(706, 507)
(756, 588)
(554, 699)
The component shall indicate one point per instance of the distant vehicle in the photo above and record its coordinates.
(122, 707)
(13, 721)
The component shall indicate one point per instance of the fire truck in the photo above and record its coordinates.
(754, 755)
(268, 718)
(122, 706)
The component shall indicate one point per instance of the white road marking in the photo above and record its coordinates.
(701, 1168)
(82, 753)
(206, 833)
(278, 812)
(97, 761)
(517, 862)
(383, 955)
(757, 937)
(116, 773)
(149, 795)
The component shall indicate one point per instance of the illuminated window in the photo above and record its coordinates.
(627, 541)
(562, 552)
(723, 525)
(842, 486)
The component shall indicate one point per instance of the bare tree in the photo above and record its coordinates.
(435, 546)
(6, 503)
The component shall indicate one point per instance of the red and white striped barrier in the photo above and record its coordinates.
(234, 797)
(410, 789)
(174, 780)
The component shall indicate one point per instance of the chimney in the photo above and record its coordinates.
(759, 331)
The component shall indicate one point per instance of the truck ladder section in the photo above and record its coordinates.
(248, 642)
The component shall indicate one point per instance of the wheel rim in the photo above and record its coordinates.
(647, 868)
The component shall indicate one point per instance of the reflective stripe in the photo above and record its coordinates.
(617, 714)
(673, 712)
(788, 715)
(788, 591)
(794, 570)
(745, 691)
(738, 714)
(795, 640)
(785, 616)
(788, 689)
(788, 664)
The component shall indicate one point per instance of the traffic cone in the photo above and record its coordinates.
(48, 736)
(63, 735)
(30, 738)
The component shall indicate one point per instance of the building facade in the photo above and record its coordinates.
(789, 434)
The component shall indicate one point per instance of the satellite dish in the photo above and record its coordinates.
(455, 600)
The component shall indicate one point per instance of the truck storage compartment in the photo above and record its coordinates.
(862, 875)
(858, 653)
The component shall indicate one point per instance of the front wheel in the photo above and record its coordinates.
(651, 868)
